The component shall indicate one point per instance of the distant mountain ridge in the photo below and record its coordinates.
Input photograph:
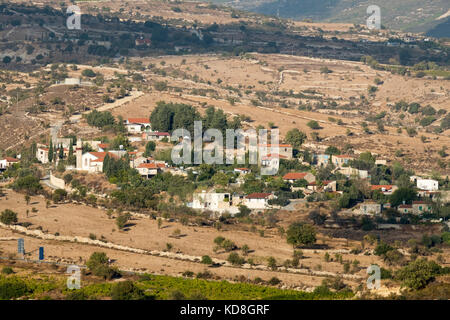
(406, 15)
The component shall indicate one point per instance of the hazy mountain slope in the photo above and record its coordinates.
(408, 15)
(441, 30)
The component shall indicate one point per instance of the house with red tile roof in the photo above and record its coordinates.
(137, 125)
(7, 162)
(155, 136)
(285, 151)
(291, 177)
(386, 189)
(148, 170)
(258, 200)
(93, 161)
(405, 208)
(421, 207)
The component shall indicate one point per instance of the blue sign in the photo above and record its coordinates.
(41, 253)
(20, 246)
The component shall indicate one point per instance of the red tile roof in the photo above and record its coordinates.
(149, 165)
(103, 145)
(405, 206)
(295, 175)
(9, 159)
(381, 186)
(138, 120)
(101, 155)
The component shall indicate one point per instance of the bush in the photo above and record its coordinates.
(88, 73)
(122, 220)
(8, 217)
(417, 274)
(59, 195)
(99, 266)
(207, 260)
(382, 248)
(272, 263)
(126, 290)
(274, 281)
(299, 233)
(7, 270)
(77, 295)
(12, 287)
(235, 259)
(29, 183)
(313, 125)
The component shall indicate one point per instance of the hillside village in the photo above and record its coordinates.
(322, 176)
(189, 151)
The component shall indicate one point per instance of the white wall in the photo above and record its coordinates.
(427, 184)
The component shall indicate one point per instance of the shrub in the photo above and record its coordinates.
(299, 233)
(126, 290)
(207, 260)
(7, 270)
(273, 281)
(313, 125)
(12, 287)
(99, 266)
(418, 274)
(272, 263)
(235, 259)
(8, 217)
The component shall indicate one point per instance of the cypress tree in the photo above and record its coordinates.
(50, 151)
(61, 152)
(106, 165)
(70, 149)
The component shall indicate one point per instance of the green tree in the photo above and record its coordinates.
(272, 263)
(403, 194)
(417, 274)
(295, 137)
(207, 260)
(8, 217)
(220, 178)
(98, 264)
(126, 290)
(149, 148)
(313, 125)
(122, 219)
(299, 233)
(50, 151)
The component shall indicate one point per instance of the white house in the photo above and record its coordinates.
(427, 184)
(6, 162)
(347, 171)
(149, 170)
(42, 154)
(137, 125)
(93, 161)
(284, 151)
(258, 200)
(219, 202)
(155, 136)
